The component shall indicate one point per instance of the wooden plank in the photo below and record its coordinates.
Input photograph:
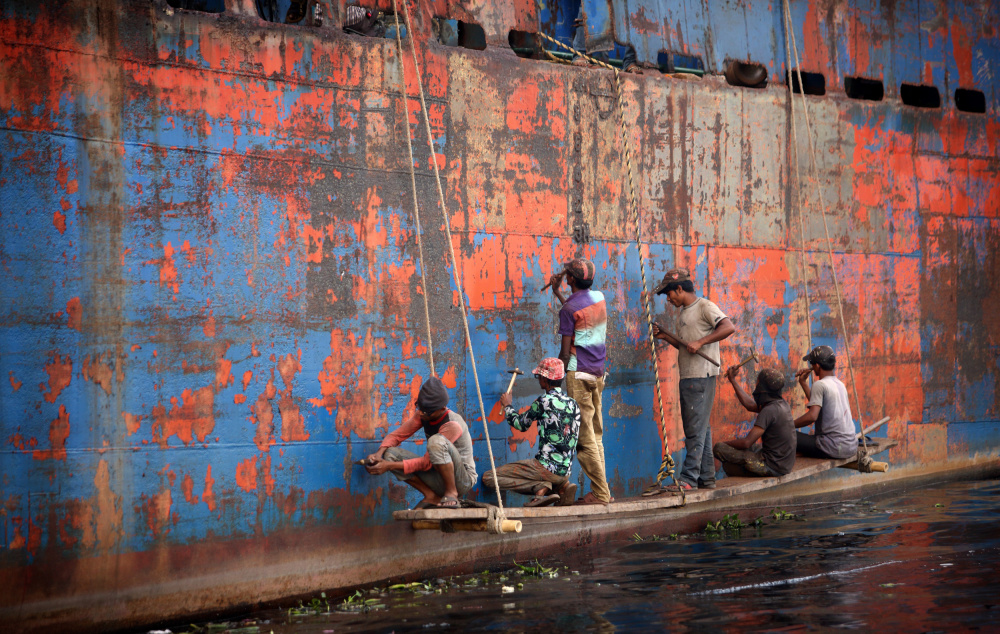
(730, 486)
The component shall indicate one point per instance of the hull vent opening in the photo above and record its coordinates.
(866, 89)
(205, 6)
(524, 44)
(461, 34)
(300, 12)
(670, 63)
(748, 74)
(920, 96)
(812, 83)
(970, 100)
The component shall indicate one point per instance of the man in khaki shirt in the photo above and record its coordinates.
(701, 325)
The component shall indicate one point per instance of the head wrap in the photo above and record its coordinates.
(433, 395)
(770, 383)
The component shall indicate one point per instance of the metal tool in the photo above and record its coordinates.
(513, 378)
(684, 344)
(753, 357)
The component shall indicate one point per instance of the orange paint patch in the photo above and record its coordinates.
(348, 383)
(263, 417)
(75, 311)
(246, 474)
(209, 326)
(239, 399)
(58, 433)
(14, 383)
(98, 372)
(187, 486)
(59, 221)
(247, 377)
(266, 476)
(449, 379)
(192, 417)
(60, 372)
(107, 528)
(157, 511)
(223, 369)
(208, 495)
(132, 422)
(168, 269)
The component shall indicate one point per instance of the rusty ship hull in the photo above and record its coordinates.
(212, 302)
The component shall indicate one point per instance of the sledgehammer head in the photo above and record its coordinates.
(753, 357)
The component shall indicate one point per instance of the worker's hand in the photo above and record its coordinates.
(731, 372)
(373, 458)
(657, 331)
(556, 280)
(505, 399)
(378, 467)
(693, 347)
(803, 374)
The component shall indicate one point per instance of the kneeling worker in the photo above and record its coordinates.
(774, 428)
(546, 476)
(448, 471)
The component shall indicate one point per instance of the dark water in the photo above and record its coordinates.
(925, 560)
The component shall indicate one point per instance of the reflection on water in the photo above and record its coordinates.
(919, 561)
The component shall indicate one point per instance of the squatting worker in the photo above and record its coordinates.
(583, 324)
(828, 407)
(701, 325)
(546, 476)
(775, 456)
(447, 471)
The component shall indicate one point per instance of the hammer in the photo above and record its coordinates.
(513, 378)
(683, 344)
(753, 357)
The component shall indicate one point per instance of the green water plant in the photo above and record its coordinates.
(779, 516)
(536, 569)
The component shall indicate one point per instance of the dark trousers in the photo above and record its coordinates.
(806, 445)
(697, 396)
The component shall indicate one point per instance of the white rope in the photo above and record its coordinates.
(451, 246)
(798, 187)
(416, 207)
(789, 32)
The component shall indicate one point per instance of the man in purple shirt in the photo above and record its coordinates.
(583, 324)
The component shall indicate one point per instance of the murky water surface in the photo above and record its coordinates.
(921, 561)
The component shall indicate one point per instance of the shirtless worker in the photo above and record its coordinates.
(701, 325)
(583, 323)
(448, 470)
(828, 407)
(775, 456)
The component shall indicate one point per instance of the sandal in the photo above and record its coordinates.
(448, 502)
(676, 488)
(544, 500)
(590, 498)
(567, 494)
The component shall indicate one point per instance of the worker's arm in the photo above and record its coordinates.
(520, 422)
(810, 417)
(803, 377)
(747, 441)
(555, 282)
(566, 350)
(745, 399)
(660, 333)
(722, 330)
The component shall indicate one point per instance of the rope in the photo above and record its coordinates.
(798, 192)
(451, 245)
(416, 207)
(667, 464)
(826, 226)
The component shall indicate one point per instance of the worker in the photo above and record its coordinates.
(448, 470)
(583, 323)
(701, 325)
(827, 407)
(775, 455)
(557, 416)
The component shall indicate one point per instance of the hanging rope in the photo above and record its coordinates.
(494, 526)
(790, 33)
(798, 192)
(416, 206)
(667, 464)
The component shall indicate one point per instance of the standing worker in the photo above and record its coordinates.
(583, 324)
(701, 325)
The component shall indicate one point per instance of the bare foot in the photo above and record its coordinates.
(634, 69)
(427, 502)
(579, 61)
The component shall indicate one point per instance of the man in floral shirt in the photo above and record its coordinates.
(546, 476)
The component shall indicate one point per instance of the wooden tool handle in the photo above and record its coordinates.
(513, 378)
(683, 343)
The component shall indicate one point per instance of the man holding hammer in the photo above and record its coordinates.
(546, 476)
(701, 325)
